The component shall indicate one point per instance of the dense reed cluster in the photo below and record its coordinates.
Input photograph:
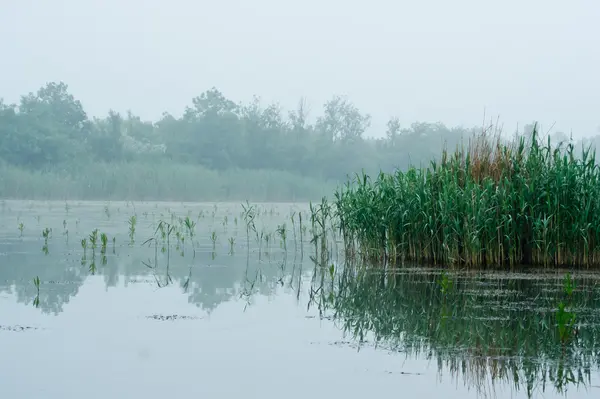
(489, 203)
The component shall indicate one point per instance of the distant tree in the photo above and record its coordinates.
(342, 120)
(393, 131)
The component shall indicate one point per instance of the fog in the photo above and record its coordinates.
(421, 61)
(428, 72)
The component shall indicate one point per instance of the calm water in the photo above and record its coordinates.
(217, 316)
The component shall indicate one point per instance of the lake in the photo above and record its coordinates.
(225, 300)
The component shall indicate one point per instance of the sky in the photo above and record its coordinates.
(429, 60)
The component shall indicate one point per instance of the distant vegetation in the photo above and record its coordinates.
(488, 203)
(218, 149)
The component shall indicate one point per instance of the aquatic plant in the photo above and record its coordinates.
(46, 233)
(282, 232)
(104, 242)
(93, 237)
(490, 203)
(21, 228)
(84, 246)
(267, 237)
(132, 222)
(36, 300)
(213, 238)
(249, 214)
(190, 227)
(166, 230)
(292, 215)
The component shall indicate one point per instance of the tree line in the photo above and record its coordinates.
(49, 130)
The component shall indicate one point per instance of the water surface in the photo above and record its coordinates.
(237, 318)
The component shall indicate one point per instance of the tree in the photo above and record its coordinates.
(342, 120)
(211, 101)
(393, 131)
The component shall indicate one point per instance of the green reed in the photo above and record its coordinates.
(84, 246)
(93, 238)
(103, 243)
(166, 231)
(282, 232)
(132, 223)
(46, 234)
(490, 203)
(36, 300)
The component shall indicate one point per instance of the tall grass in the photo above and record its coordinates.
(158, 181)
(489, 203)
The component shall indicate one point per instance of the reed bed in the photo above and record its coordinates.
(158, 181)
(489, 203)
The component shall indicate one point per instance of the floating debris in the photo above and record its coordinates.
(402, 372)
(172, 317)
(17, 328)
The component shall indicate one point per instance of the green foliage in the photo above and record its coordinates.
(218, 149)
(489, 204)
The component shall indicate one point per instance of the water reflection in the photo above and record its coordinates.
(484, 329)
(530, 332)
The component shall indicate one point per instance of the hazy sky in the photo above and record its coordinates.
(420, 60)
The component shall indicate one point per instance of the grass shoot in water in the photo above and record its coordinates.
(84, 246)
(282, 231)
(104, 242)
(46, 233)
(36, 300)
(132, 222)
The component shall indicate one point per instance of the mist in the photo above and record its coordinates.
(434, 70)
